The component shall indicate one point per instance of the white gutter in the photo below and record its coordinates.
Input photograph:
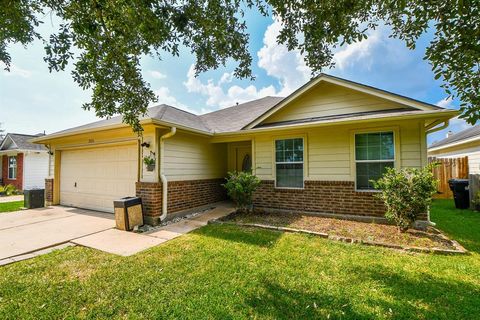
(435, 129)
(163, 178)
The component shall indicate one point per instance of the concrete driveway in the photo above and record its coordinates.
(25, 231)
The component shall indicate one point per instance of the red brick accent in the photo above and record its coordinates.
(151, 194)
(48, 191)
(189, 194)
(338, 197)
(182, 195)
(18, 182)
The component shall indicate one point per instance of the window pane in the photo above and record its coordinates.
(290, 175)
(298, 149)
(387, 145)
(367, 171)
(279, 157)
(289, 150)
(374, 146)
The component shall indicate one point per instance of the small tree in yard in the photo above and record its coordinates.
(407, 193)
(240, 187)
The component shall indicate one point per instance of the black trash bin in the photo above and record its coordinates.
(34, 198)
(460, 191)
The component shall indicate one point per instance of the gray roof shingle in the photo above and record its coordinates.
(224, 120)
(457, 137)
(236, 117)
(22, 141)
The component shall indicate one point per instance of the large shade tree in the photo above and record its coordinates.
(109, 37)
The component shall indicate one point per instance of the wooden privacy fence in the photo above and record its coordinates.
(449, 168)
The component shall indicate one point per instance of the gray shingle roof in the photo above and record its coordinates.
(228, 119)
(161, 112)
(236, 117)
(457, 137)
(22, 141)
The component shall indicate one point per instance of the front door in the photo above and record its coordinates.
(243, 159)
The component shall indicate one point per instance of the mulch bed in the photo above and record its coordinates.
(429, 240)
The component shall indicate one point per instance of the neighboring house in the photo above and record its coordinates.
(24, 164)
(315, 151)
(465, 143)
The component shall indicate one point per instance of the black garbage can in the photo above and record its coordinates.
(128, 213)
(460, 191)
(34, 198)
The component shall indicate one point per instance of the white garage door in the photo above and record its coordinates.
(93, 178)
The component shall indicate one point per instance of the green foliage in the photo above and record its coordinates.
(407, 193)
(240, 187)
(149, 160)
(8, 190)
(109, 38)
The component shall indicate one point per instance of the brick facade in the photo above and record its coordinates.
(18, 182)
(189, 194)
(336, 197)
(151, 194)
(48, 192)
(182, 195)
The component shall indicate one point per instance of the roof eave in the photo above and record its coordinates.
(454, 144)
(171, 124)
(20, 151)
(441, 114)
(47, 138)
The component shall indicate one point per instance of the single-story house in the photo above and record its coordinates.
(24, 164)
(465, 143)
(314, 151)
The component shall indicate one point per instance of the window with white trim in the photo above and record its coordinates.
(289, 163)
(12, 167)
(374, 152)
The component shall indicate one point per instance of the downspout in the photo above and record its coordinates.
(163, 178)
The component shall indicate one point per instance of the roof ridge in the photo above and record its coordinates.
(237, 105)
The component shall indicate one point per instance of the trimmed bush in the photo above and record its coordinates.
(407, 193)
(240, 188)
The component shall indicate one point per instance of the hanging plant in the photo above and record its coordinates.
(149, 162)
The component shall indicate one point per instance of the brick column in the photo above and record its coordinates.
(48, 191)
(151, 194)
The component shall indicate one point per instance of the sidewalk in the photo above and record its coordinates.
(129, 243)
(11, 198)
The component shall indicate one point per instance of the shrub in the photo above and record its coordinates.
(240, 187)
(8, 189)
(407, 193)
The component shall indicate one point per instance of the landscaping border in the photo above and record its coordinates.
(459, 249)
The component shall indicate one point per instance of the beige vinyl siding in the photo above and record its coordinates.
(474, 163)
(193, 157)
(264, 157)
(411, 151)
(327, 99)
(329, 155)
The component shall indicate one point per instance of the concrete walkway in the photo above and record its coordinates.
(29, 233)
(11, 198)
(129, 243)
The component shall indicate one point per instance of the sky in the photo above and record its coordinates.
(33, 100)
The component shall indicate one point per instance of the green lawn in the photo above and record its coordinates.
(11, 206)
(228, 272)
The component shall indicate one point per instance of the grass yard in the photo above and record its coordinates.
(229, 272)
(10, 206)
